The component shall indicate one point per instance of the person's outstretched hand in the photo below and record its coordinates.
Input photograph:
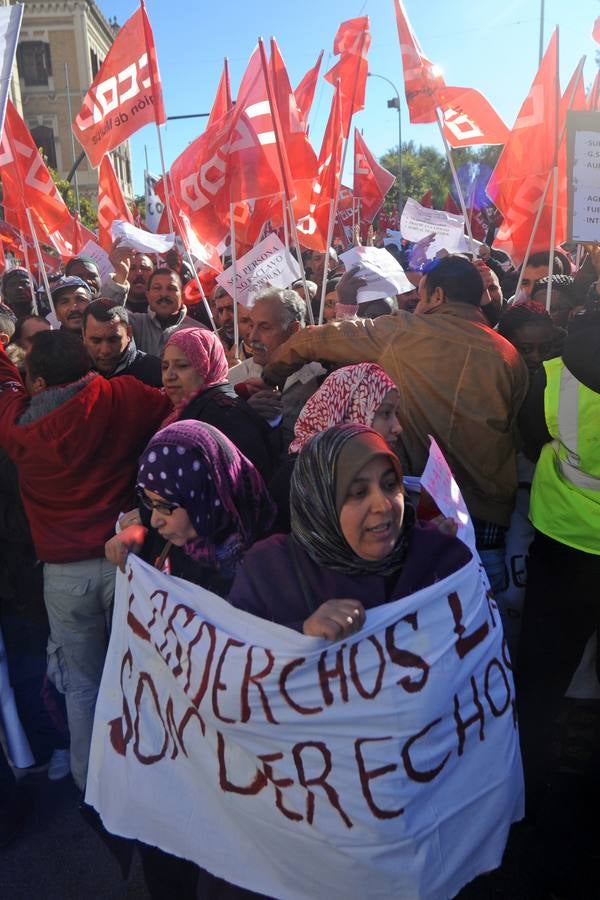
(335, 619)
(118, 548)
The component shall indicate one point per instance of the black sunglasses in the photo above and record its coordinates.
(161, 506)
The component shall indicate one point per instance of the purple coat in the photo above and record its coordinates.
(269, 581)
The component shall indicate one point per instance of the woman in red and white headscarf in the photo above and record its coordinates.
(362, 394)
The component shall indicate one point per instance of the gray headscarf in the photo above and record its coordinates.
(315, 502)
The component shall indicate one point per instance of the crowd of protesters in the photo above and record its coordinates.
(291, 448)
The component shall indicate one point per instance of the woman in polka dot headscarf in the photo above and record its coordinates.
(206, 498)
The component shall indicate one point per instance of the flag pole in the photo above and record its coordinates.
(146, 26)
(461, 199)
(165, 180)
(330, 225)
(236, 326)
(38, 253)
(552, 236)
(28, 267)
(538, 216)
(307, 299)
(287, 189)
(188, 254)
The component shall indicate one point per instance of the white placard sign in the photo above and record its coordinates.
(268, 264)
(419, 221)
(100, 257)
(141, 240)
(585, 220)
(385, 765)
(440, 484)
(383, 273)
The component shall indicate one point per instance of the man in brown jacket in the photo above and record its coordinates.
(458, 380)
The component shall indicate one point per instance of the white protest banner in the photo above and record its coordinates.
(419, 221)
(154, 205)
(383, 273)
(141, 240)
(439, 482)
(585, 181)
(10, 27)
(269, 263)
(16, 739)
(385, 765)
(100, 257)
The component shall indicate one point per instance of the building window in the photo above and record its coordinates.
(35, 65)
(95, 63)
(44, 139)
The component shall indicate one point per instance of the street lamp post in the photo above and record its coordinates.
(394, 103)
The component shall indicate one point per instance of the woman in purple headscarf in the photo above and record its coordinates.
(208, 505)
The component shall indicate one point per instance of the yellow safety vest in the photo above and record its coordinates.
(565, 494)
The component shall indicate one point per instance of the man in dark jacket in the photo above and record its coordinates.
(75, 443)
(108, 337)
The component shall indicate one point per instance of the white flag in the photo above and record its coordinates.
(154, 205)
(10, 26)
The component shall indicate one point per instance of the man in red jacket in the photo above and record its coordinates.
(75, 443)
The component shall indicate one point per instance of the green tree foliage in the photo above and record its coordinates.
(426, 168)
(87, 213)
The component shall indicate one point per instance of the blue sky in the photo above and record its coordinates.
(489, 45)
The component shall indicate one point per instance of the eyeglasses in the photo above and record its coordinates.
(160, 506)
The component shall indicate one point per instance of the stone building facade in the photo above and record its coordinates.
(62, 45)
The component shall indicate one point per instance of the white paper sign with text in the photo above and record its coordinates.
(141, 240)
(268, 264)
(386, 765)
(383, 273)
(419, 221)
(439, 482)
(100, 257)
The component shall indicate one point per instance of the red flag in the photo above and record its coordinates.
(111, 203)
(26, 181)
(352, 42)
(517, 183)
(371, 181)
(226, 164)
(451, 206)
(427, 199)
(125, 94)
(596, 30)
(421, 78)
(305, 91)
(222, 102)
(469, 119)
(70, 239)
(342, 230)
(302, 159)
(312, 228)
(593, 100)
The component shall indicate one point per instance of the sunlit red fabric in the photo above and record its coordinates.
(126, 93)
(371, 181)
(351, 43)
(517, 183)
(111, 203)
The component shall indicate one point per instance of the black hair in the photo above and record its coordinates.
(332, 283)
(384, 306)
(457, 277)
(521, 314)
(19, 326)
(86, 260)
(105, 311)
(542, 258)
(163, 270)
(59, 357)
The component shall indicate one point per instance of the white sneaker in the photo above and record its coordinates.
(60, 765)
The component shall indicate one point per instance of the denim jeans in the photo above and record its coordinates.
(79, 598)
(495, 567)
